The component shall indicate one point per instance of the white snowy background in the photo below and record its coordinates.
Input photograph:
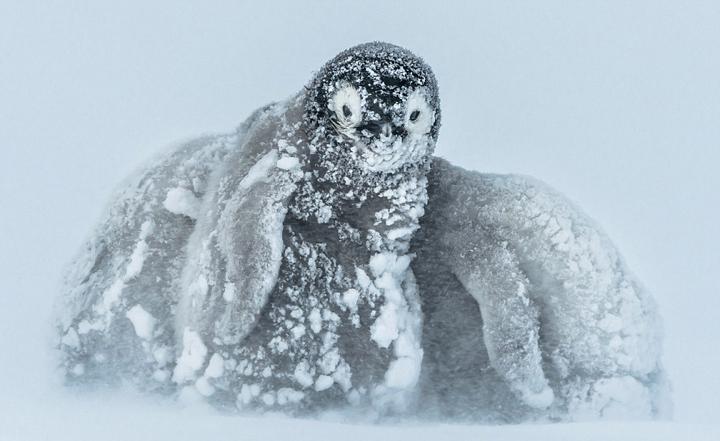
(617, 104)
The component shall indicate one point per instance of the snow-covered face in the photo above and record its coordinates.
(377, 104)
(387, 131)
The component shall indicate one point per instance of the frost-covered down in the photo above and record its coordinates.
(566, 328)
(270, 268)
(320, 258)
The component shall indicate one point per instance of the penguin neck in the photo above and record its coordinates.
(376, 214)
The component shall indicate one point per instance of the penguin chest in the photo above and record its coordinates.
(328, 335)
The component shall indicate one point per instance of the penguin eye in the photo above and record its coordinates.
(347, 106)
(419, 117)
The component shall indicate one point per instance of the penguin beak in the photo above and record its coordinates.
(385, 131)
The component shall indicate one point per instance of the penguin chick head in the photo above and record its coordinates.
(376, 104)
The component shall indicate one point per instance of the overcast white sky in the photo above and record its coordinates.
(617, 104)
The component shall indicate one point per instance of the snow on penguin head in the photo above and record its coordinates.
(374, 108)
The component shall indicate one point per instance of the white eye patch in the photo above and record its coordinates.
(419, 117)
(347, 105)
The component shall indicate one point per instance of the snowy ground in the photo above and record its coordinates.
(101, 419)
(617, 104)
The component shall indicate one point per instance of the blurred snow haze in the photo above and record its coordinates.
(616, 104)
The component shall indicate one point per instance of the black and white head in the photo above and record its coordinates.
(376, 104)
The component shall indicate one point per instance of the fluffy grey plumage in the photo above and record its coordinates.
(563, 329)
(272, 268)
